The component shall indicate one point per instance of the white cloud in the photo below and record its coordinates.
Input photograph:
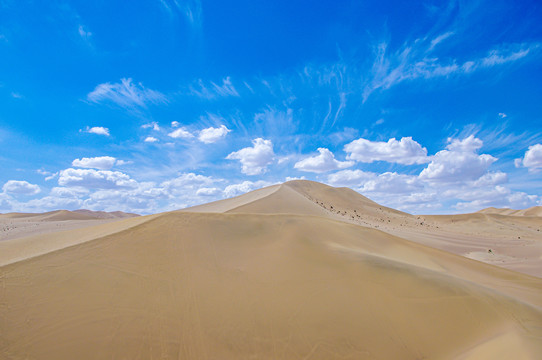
(254, 160)
(142, 198)
(18, 187)
(440, 39)
(71, 192)
(49, 203)
(180, 133)
(392, 183)
(502, 115)
(175, 124)
(322, 163)
(406, 151)
(244, 187)
(212, 134)
(85, 34)
(101, 162)
(126, 94)
(154, 125)
(190, 9)
(187, 182)
(350, 178)
(459, 163)
(415, 61)
(498, 196)
(95, 179)
(214, 90)
(43, 172)
(150, 139)
(532, 159)
(497, 57)
(491, 179)
(52, 176)
(468, 144)
(208, 191)
(98, 130)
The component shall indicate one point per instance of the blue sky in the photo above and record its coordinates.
(147, 106)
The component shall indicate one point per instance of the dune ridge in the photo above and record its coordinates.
(276, 273)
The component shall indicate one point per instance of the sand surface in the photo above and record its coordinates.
(295, 271)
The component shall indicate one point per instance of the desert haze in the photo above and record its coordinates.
(299, 270)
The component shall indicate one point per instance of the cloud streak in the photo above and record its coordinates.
(126, 94)
(415, 60)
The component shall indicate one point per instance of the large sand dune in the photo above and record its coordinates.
(273, 274)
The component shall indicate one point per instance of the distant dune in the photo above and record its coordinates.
(62, 215)
(20, 225)
(295, 271)
(532, 211)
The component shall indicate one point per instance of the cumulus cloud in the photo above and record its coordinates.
(187, 182)
(392, 183)
(459, 163)
(18, 187)
(98, 130)
(180, 133)
(244, 187)
(350, 178)
(150, 139)
(212, 134)
(498, 196)
(254, 160)
(154, 125)
(100, 162)
(491, 179)
(323, 162)
(95, 179)
(532, 159)
(406, 151)
(126, 94)
(208, 191)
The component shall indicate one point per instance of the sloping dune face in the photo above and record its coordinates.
(241, 285)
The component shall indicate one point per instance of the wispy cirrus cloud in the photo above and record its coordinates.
(213, 90)
(85, 34)
(191, 10)
(126, 94)
(416, 60)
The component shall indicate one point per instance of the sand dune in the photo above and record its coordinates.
(105, 214)
(515, 242)
(21, 225)
(58, 215)
(272, 274)
(532, 211)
